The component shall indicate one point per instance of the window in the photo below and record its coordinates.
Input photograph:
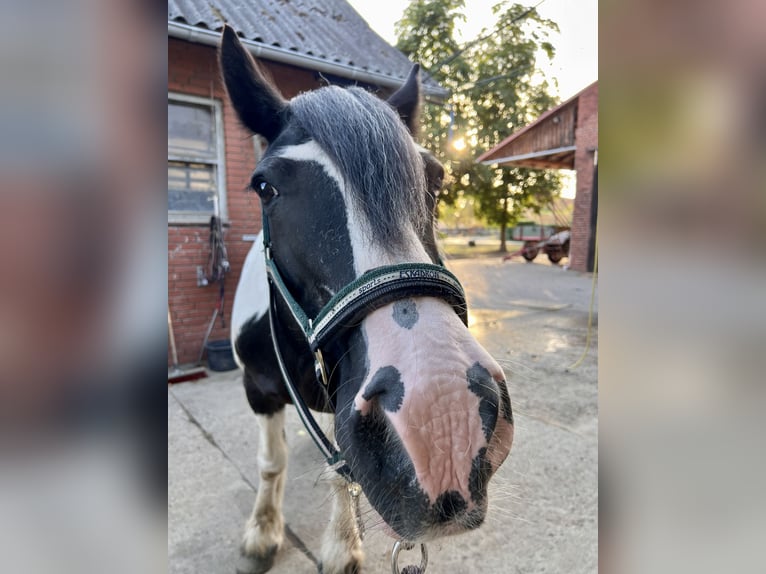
(196, 168)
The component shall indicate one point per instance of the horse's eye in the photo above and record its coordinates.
(266, 191)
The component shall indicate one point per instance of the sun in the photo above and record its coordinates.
(459, 144)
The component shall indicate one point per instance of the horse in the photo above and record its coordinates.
(422, 412)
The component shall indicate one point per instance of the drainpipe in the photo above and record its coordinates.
(591, 260)
(212, 38)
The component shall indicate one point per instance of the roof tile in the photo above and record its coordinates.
(328, 29)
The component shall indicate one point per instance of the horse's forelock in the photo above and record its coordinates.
(374, 153)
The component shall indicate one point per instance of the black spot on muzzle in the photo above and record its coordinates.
(481, 470)
(405, 313)
(387, 387)
(505, 402)
(449, 505)
(481, 383)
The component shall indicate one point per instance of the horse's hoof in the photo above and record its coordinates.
(257, 564)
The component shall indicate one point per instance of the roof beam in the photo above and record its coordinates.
(534, 154)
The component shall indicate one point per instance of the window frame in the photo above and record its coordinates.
(192, 217)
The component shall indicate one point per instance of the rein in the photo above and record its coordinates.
(373, 290)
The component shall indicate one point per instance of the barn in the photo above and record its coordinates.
(564, 137)
(303, 45)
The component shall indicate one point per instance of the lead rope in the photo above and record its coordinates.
(590, 307)
(355, 490)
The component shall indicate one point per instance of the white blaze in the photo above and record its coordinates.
(367, 255)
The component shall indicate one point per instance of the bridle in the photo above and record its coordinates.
(345, 310)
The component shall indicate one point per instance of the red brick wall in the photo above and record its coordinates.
(586, 139)
(192, 69)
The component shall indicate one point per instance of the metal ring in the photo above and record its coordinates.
(400, 545)
(319, 367)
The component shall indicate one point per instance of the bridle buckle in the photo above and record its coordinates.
(319, 368)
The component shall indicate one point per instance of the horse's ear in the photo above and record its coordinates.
(257, 101)
(406, 100)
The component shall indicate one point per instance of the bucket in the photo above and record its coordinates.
(219, 356)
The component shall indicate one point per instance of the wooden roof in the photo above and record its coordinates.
(548, 142)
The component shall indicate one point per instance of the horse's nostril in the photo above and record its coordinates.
(481, 383)
(449, 505)
(386, 385)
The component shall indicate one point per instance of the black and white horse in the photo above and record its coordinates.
(422, 412)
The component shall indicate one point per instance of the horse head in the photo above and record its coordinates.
(422, 412)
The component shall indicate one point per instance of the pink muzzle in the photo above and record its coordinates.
(442, 394)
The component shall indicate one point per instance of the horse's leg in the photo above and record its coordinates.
(342, 543)
(264, 531)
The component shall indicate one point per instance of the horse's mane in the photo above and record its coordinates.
(374, 153)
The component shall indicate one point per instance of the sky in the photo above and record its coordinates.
(576, 62)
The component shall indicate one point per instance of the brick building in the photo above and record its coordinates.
(211, 157)
(565, 137)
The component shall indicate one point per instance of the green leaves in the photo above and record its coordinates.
(496, 89)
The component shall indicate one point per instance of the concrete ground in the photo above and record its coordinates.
(543, 501)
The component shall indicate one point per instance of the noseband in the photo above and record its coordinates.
(345, 310)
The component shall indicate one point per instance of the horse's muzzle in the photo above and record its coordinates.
(430, 422)
(389, 479)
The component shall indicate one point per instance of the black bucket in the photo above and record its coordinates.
(219, 356)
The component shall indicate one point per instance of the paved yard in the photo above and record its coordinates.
(543, 518)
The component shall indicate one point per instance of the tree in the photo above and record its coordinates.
(426, 33)
(496, 88)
